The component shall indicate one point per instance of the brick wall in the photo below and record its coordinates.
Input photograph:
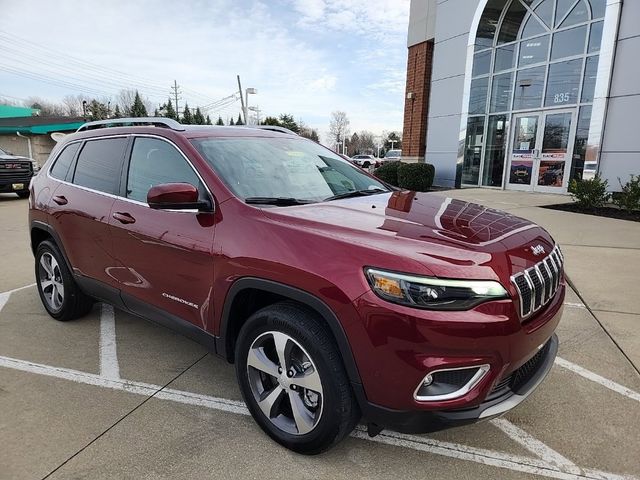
(416, 109)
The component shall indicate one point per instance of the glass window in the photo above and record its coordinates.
(534, 50)
(282, 167)
(154, 162)
(568, 43)
(563, 83)
(505, 57)
(478, 95)
(481, 63)
(597, 8)
(488, 22)
(580, 145)
(590, 76)
(532, 28)
(529, 86)
(595, 37)
(556, 133)
(99, 165)
(473, 150)
(562, 8)
(579, 14)
(511, 22)
(61, 167)
(545, 12)
(494, 151)
(501, 93)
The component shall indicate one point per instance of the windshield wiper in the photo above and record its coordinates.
(356, 193)
(279, 201)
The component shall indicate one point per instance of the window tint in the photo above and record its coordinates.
(504, 58)
(61, 167)
(154, 162)
(563, 83)
(568, 43)
(529, 86)
(501, 93)
(481, 63)
(535, 50)
(99, 165)
(478, 95)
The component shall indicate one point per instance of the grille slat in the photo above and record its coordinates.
(538, 284)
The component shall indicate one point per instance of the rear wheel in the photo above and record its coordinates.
(292, 379)
(58, 291)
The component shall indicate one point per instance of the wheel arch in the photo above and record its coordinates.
(40, 232)
(231, 322)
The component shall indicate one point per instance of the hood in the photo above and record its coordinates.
(449, 237)
(9, 158)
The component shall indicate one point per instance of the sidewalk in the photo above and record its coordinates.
(602, 258)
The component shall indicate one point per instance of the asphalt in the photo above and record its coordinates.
(114, 396)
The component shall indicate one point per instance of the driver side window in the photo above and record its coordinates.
(154, 162)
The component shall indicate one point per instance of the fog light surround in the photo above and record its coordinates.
(450, 383)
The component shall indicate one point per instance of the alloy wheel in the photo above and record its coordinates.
(51, 282)
(285, 383)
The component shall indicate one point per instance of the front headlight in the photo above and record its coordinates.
(433, 293)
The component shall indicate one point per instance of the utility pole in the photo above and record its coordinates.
(244, 107)
(175, 91)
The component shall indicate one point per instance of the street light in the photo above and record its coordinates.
(247, 92)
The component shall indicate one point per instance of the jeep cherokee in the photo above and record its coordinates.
(337, 297)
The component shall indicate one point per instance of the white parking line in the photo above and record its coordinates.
(594, 377)
(109, 367)
(535, 446)
(4, 296)
(414, 442)
(575, 305)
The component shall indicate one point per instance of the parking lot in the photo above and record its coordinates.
(114, 396)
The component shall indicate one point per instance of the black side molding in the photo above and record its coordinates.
(298, 295)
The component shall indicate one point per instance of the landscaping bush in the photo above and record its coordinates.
(629, 198)
(388, 172)
(590, 194)
(416, 176)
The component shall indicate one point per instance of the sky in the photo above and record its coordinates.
(305, 57)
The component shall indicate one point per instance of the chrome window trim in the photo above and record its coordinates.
(466, 388)
(118, 197)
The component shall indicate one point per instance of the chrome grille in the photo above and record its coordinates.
(538, 284)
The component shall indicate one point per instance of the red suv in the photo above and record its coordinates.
(337, 296)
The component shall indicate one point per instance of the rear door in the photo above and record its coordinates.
(81, 203)
(165, 256)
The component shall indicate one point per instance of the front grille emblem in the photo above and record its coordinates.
(537, 250)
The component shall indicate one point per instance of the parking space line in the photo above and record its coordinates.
(453, 450)
(594, 377)
(4, 296)
(535, 446)
(575, 305)
(109, 367)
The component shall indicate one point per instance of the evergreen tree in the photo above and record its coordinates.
(220, 121)
(198, 118)
(273, 121)
(156, 113)
(116, 112)
(138, 109)
(239, 121)
(169, 112)
(187, 117)
(209, 120)
(97, 110)
(287, 121)
(231, 122)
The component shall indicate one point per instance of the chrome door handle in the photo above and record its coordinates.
(124, 217)
(60, 199)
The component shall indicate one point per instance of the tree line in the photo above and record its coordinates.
(363, 142)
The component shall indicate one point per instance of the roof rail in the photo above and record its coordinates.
(132, 121)
(273, 128)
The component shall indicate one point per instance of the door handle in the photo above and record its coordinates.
(124, 217)
(60, 199)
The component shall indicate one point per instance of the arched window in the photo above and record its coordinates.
(529, 55)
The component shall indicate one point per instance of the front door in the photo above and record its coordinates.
(540, 153)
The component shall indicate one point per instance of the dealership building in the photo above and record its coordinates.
(523, 94)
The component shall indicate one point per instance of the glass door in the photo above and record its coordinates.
(540, 153)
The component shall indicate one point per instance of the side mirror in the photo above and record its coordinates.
(176, 196)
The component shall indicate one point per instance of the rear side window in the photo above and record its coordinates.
(99, 165)
(61, 167)
(154, 162)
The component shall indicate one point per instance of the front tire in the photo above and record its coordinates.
(59, 293)
(292, 379)
(24, 194)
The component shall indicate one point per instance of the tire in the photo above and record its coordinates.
(24, 194)
(58, 291)
(325, 415)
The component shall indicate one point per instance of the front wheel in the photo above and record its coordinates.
(24, 194)
(293, 380)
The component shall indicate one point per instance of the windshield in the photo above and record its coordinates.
(392, 153)
(262, 167)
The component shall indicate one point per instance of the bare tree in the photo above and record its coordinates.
(73, 104)
(338, 126)
(46, 107)
(124, 100)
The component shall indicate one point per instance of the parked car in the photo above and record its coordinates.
(16, 173)
(336, 298)
(365, 161)
(392, 156)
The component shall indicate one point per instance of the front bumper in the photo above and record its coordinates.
(497, 403)
(7, 183)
